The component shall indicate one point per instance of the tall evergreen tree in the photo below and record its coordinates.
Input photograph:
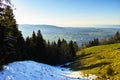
(117, 36)
(40, 45)
(59, 42)
(33, 39)
(5, 20)
(72, 49)
(75, 46)
(10, 35)
(32, 46)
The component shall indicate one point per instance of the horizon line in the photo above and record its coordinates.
(75, 25)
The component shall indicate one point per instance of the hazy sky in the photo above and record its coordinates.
(67, 12)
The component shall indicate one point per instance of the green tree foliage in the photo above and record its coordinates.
(11, 40)
(117, 37)
(111, 40)
(95, 42)
(33, 44)
(61, 52)
(51, 53)
(72, 49)
(40, 45)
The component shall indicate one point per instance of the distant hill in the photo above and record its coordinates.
(107, 26)
(78, 34)
(96, 26)
(42, 27)
(58, 27)
(103, 61)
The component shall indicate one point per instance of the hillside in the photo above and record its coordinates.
(103, 61)
(41, 27)
(30, 70)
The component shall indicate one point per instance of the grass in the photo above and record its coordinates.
(103, 61)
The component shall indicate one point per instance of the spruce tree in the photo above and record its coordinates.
(117, 37)
(40, 45)
(59, 42)
(32, 48)
(10, 35)
(72, 49)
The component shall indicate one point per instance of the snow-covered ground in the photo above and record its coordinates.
(30, 70)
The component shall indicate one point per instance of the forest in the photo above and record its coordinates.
(13, 47)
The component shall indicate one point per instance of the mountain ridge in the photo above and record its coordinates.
(90, 26)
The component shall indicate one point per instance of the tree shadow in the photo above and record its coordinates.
(93, 66)
(78, 65)
(83, 56)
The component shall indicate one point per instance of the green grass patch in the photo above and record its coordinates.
(103, 61)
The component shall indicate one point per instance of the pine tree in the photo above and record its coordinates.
(33, 38)
(40, 45)
(11, 36)
(21, 47)
(32, 47)
(117, 37)
(7, 39)
(27, 41)
(59, 42)
(76, 46)
(72, 49)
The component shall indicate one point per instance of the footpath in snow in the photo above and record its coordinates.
(30, 70)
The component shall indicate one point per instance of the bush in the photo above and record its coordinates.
(110, 71)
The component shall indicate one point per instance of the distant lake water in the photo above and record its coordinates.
(80, 35)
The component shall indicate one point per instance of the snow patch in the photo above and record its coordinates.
(30, 70)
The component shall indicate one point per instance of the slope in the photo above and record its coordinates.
(103, 61)
(30, 70)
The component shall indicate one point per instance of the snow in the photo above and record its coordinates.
(66, 64)
(30, 70)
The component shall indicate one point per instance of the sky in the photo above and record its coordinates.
(67, 12)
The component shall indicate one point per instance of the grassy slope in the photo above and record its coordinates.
(103, 61)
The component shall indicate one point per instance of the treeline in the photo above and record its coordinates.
(96, 42)
(13, 47)
(52, 53)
